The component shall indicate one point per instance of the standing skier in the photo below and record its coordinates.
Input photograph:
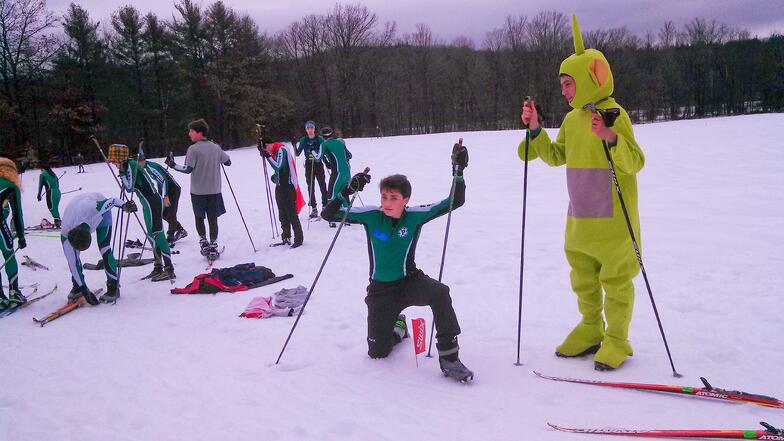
(314, 169)
(287, 193)
(170, 190)
(395, 281)
(135, 179)
(85, 214)
(598, 246)
(203, 162)
(10, 195)
(336, 155)
(49, 182)
(80, 162)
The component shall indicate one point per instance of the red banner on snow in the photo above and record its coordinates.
(419, 331)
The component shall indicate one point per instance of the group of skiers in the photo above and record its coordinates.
(598, 245)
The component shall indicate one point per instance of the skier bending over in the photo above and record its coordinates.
(135, 179)
(85, 214)
(598, 246)
(10, 195)
(49, 182)
(395, 281)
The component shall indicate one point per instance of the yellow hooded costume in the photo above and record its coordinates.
(598, 246)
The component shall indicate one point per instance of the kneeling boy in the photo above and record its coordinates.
(395, 281)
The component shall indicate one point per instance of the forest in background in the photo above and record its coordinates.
(65, 78)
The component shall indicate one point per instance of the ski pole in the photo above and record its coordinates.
(61, 176)
(123, 243)
(71, 191)
(639, 255)
(13, 254)
(318, 274)
(522, 249)
(446, 237)
(270, 204)
(238, 207)
(119, 184)
(311, 190)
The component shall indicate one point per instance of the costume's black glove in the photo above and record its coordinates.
(129, 207)
(459, 158)
(265, 153)
(357, 183)
(39, 198)
(22, 243)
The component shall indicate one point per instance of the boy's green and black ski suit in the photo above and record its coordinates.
(135, 178)
(395, 281)
(49, 182)
(167, 187)
(10, 195)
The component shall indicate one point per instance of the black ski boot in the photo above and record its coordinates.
(166, 274)
(58, 224)
(16, 298)
(333, 225)
(401, 329)
(452, 367)
(112, 293)
(314, 213)
(591, 350)
(213, 252)
(82, 291)
(601, 367)
(204, 245)
(156, 272)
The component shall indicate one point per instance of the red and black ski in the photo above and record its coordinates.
(769, 433)
(707, 391)
(70, 307)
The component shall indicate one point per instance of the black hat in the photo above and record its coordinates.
(326, 132)
(79, 237)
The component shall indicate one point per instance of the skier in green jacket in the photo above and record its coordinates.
(598, 245)
(49, 182)
(395, 281)
(10, 195)
(334, 152)
(135, 179)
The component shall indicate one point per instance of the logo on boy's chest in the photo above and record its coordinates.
(384, 236)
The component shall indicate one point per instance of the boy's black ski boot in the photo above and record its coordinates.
(112, 292)
(314, 213)
(401, 329)
(166, 274)
(82, 291)
(204, 246)
(213, 252)
(452, 367)
(157, 270)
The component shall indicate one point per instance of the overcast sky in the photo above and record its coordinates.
(449, 19)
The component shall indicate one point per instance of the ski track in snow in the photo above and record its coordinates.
(162, 367)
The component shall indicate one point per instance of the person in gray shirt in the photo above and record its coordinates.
(203, 162)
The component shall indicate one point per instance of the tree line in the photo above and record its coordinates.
(138, 76)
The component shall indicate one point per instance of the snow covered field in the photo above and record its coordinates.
(161, 367)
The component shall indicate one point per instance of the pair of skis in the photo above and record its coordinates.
(9, 311)
(708, 391)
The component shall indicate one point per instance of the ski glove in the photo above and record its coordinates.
(264, 153)
(357, 183)
(170, 161)
(22, 243)
(459, 158)
(129, 207)
(39, 198)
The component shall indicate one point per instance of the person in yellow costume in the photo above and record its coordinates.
(598, 245)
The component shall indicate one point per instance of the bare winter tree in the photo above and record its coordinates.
(26, 47)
